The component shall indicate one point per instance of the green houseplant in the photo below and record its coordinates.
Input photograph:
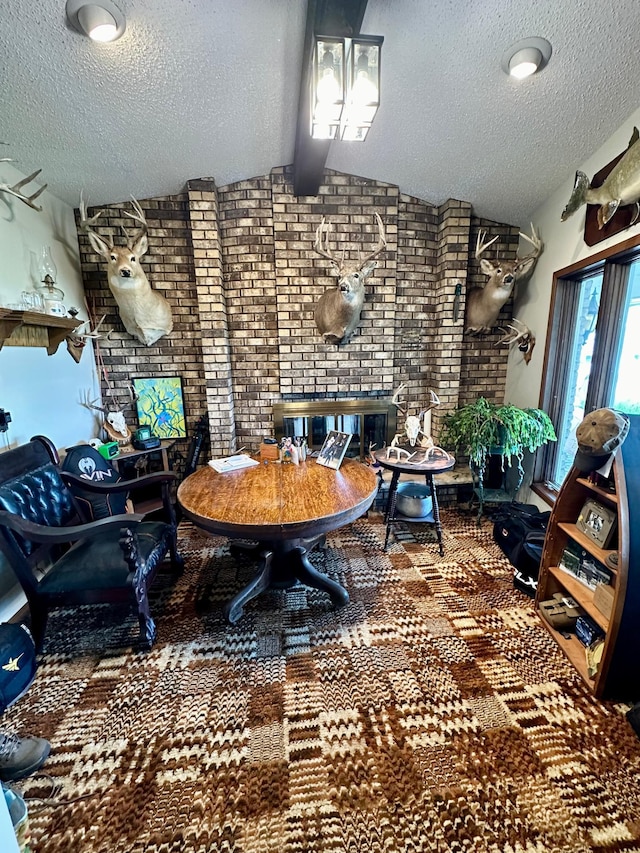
(482, 428)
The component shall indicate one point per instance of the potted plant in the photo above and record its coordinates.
(482, 428)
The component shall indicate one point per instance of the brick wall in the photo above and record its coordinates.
(239, 269)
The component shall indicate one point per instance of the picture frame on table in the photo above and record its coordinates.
(598, 522)
(160, 405)
(333, 449)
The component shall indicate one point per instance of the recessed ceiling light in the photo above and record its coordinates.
(526, 57)
(101, 21)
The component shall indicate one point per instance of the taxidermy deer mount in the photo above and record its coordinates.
(485, 303)
(337, 313)
(144, 312)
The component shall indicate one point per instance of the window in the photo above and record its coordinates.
(593, 350)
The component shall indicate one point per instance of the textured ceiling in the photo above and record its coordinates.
(200, 88)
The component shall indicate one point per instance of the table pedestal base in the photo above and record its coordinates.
(282, 565)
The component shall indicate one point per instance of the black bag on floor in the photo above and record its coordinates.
(17, 662)
(519, 530)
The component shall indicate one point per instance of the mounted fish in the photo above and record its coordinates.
(620, 187)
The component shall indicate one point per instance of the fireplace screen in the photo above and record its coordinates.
(368, 421)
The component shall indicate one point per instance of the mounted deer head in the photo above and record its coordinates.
(337, 313)
(145, 313)
(485, 303)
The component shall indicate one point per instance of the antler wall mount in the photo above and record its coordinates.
(338, 310)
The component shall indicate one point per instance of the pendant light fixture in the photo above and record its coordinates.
(345, 86)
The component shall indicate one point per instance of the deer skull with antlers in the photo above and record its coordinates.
(338, 310)
(145, 313)
(114, 424)
(416, 431)
(485, 303)
(521, 335)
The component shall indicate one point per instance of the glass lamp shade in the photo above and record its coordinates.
(363, 98)
(327, 87)
(46, 266)
(51, 295)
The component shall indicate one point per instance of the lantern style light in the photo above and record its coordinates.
(345, 85)
(328, 87)
(363, 96)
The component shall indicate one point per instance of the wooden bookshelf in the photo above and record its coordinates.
(618, 674)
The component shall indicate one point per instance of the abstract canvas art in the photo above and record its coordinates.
(160, 405)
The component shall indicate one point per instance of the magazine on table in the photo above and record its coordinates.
(334, 448)
(233, 463)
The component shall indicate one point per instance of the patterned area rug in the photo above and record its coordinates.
(433, 713)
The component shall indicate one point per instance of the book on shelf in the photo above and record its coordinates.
(233, 463)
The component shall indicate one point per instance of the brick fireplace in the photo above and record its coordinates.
(238, 267)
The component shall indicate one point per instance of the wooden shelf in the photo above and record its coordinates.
(588, 544)
(573, 649)
(581, 594)
(32, 329)
(618, 675)
(602, 493)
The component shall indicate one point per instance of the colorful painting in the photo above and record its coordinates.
(161, 406)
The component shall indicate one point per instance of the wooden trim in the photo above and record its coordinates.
(586, 265)
(545, 491)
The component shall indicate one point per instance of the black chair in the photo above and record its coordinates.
(59, 558)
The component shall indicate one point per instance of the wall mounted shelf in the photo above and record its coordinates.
(31, 329)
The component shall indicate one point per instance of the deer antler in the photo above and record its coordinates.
(521, 335)
(15, 189)
(481, 246)
(137, 216)
(535, 241)
(94, 335)
(434, 402)
(399, 404)
(86, 221)
(91, 404)
(321, 243)
(381, 244)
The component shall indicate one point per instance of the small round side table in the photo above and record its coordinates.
(419, 464)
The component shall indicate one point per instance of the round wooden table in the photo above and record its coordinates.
(287, 509)
(420, 464)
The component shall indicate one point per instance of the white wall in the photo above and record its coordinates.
(563, 245)
(41, 392)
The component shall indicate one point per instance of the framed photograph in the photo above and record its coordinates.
(333, 450)
(160, 406)
(597, 522)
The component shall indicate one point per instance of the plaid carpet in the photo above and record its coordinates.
(433, 713)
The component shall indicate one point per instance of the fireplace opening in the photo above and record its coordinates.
(370, 422)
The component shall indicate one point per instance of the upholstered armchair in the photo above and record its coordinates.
(58, 558)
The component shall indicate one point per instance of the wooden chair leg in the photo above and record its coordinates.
(39, 616)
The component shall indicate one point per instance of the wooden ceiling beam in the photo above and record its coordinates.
(329, 18)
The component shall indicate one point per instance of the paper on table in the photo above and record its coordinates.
(233, 463)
